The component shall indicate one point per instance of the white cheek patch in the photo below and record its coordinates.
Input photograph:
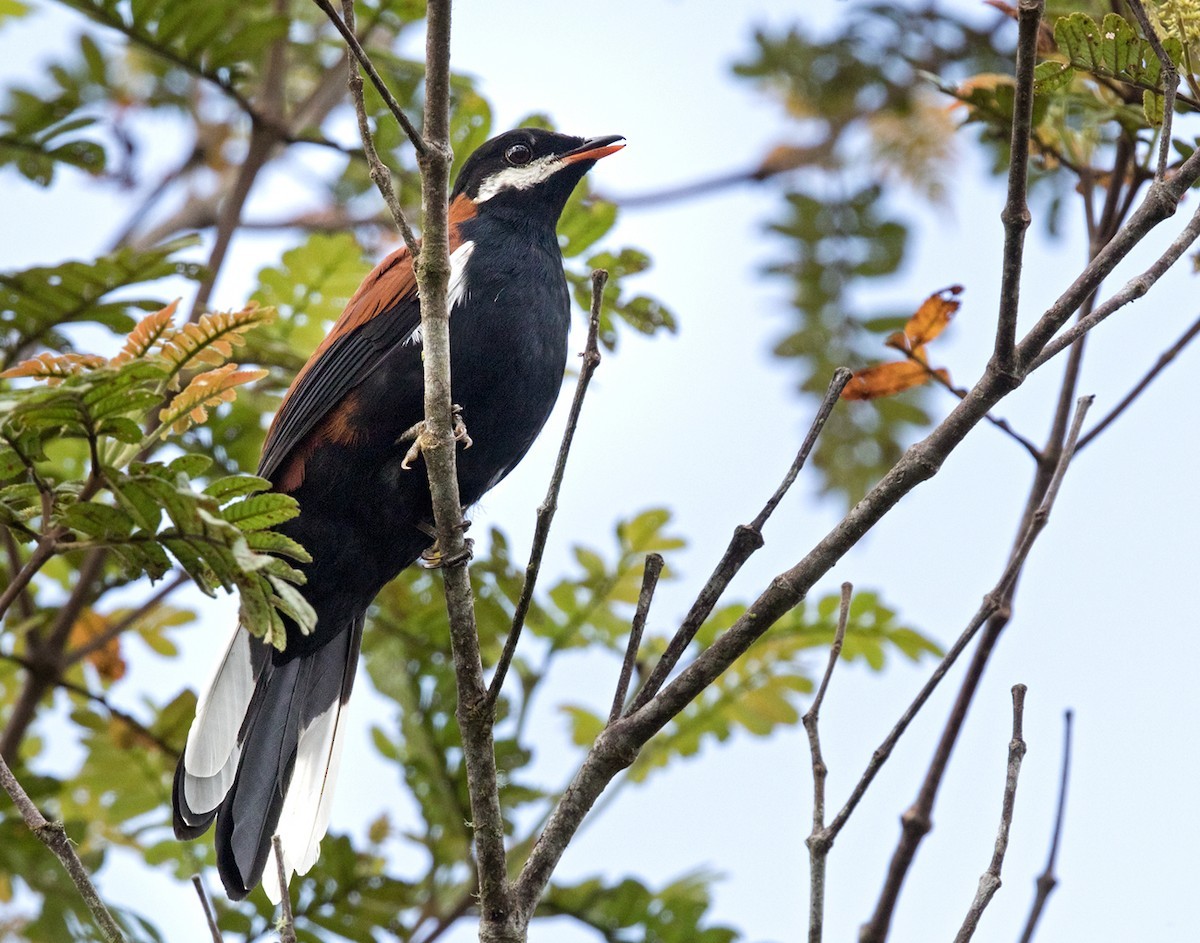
(457, 291)
(519, 178)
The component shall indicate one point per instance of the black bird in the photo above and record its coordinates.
(262, 753)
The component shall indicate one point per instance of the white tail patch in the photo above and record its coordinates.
(306, 810)
(213, 737)
(457, 290)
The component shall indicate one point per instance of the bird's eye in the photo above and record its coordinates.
(518, 155)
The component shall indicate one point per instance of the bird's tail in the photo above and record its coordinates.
(262, 757)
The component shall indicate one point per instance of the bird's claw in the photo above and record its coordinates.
(419, 430)
(434, 559)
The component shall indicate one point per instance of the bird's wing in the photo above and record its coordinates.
(384, 312)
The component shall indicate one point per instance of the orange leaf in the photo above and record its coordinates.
(54, 368)
(929, 321)
(107, 658)
(149, 331)
(888, 379)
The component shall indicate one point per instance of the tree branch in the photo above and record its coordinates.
(1135, 288)
(1161, 364)
(917, 820)
(347, 31)
(1170, 78)
(1015, 214)
(654, 565)
(1047, 881)
(989, 883)
(287, 922)
(746, 539)
(381, 176)
(546, 510)
(113, 631)
(209, 917)
(818, 842)
(54, 837)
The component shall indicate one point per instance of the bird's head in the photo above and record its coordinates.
(530, 171)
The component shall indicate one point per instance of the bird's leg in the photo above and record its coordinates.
(419, 430)
(433, 559)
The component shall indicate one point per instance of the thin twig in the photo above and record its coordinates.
(818, 842)
(1161, 364)
(381, 176)
(939, 377)
(209, 916)
(1015, 214)
(360, 54)
(1135, 288)
(654, 565)
(989, 883)
(1048, 880)
(1170, 79)
(54, 837)
(99, 641)
(287, 922)
(545, 512)
(746, 539)
(917, 819)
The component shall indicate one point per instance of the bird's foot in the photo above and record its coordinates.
(434, 559)
(418, 433)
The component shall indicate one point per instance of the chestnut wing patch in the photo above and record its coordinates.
(383, 313)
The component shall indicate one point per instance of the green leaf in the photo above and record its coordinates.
(98, 521)
(261, 511)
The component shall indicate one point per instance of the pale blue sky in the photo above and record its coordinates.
(706, 423)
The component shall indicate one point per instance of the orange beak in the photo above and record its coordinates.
(595, 148)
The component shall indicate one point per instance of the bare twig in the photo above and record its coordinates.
(209, 916)
(818, 841)
(381, 176)
(389, 99)
(654, 565)
(1133, 289)
(917, 819)
(1047, 881)
(545, 512)
(1126, 401)
(1170, 79)
(118, 627)
(287, 922)
(54, 837)
(1015, 214)
(989, 883)
(746, 539)
(45, 549)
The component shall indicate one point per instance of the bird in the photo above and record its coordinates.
(263, 750)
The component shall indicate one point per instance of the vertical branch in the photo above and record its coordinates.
(54, 837)
(436, 439)
(287, 922)
(819, 841)
(989, 883)
(1047, 881)
(1170, 77)
(1015, 214)
(545, 511)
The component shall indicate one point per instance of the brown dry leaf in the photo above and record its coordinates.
(929, 321)
(888, 379)
(106, 659)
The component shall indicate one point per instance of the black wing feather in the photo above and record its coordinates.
(348, 361)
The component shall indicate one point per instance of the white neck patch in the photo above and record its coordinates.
(457, 291)
(519, 178)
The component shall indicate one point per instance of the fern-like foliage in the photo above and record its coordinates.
(148, 513)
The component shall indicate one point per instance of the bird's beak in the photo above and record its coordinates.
(595, 148)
